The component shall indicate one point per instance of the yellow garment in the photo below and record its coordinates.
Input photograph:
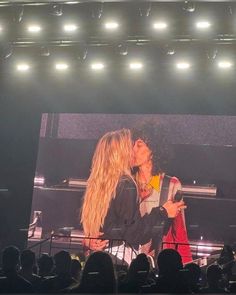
(155, 182)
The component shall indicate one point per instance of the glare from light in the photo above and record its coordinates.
(225, 64)
(98, 66)
(160, 26)
(203, 254)
(135, 65)
(203, 25)
(0, 29)
(111, 25)
(39, 180)
(22, 67)
(61, 66)
(70, 28)
(34, 29)
(182, 65)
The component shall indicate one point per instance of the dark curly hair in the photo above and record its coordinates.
(154, 135)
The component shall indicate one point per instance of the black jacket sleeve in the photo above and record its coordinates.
(124, 221)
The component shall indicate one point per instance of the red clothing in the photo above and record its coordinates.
(178, 234)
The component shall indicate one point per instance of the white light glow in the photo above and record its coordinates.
(61, 66)
(203, 254)
(34, 29)
(111, 25)
(70, 28)
(203, 25)
(135, 65)
(160, 25)
(39, 180)
(225, 64)
(183, 65)
(22, 67)
(205, 248)
(97, 66)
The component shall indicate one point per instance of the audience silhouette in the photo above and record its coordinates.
(21, 274)
(28, 263)
(62, 278)
(11, 281)
(45, 265)
(98, 275)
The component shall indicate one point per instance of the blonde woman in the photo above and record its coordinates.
(111, 204)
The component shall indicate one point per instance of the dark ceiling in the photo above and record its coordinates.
(158, 87)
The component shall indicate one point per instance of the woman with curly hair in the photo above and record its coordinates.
(151, 155)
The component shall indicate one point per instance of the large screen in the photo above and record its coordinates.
(204, 155)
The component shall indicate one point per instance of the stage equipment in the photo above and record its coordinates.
(192, 190)
(39, 181)
(98, 10)
(44, 51)
(35, 228)
(75, 182)
(18, 13)
(57, 10)
(123, 49)
(145, 9)
(198, 190)
(189, 6)
(6, 50)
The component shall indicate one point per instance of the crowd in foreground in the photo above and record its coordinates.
(21, 273)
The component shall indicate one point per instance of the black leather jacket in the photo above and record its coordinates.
(124, 221)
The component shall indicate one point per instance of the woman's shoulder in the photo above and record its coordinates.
(127, 179)
(126, 182)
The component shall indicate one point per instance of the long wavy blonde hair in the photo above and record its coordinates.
(111, 160)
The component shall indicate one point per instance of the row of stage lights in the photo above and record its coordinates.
(133, 66)
(201, 25)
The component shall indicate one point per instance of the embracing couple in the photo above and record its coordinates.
(129, 197)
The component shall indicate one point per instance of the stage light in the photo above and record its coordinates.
(39, 180)
(112, 25)
(6, 50)
(123, 49)
(189, 6)
(212, 53)
(98, 66)
(203, 25)
(82, 52)
(57, 10)
(44, 51)
(34, 29)
(224, 64)
(97, 10)
(160, 26)
(22, 67)
(70, 28)
(61, 66)
(145, 9)
(18, 13)
(182, 65)
(135, 66)
(169, 49)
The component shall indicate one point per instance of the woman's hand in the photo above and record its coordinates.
(96, 244)
(173, 209)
